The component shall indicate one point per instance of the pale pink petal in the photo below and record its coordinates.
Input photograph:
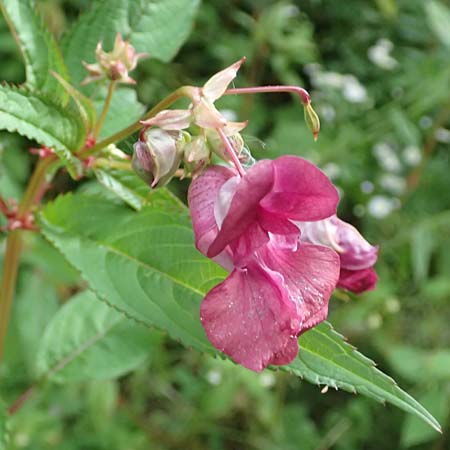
(248, 318)
(358, 281)
(202, 195)
(243, 209)
(170, 119)
(206, 115)
(300, 191)
(232, 128)
(356, 252)
(218, 83)
(310, 275)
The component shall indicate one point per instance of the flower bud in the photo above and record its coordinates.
(196, 154)
(312, 120)
(157, 156)
(114, 65)
(217, 146)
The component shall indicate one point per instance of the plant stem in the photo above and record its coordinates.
(231, 153)
(111, 164)
(14, 247)
(302, 93)
(101, 119)
(163, 104)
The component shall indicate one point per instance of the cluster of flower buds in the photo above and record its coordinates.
(213, 133)
(114, 65)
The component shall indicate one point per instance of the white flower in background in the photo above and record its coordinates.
(366, 186)
(386, 157)
(327, 112)
(379, 54)
(412, 155)
(380, 206)
(267, 379)
(352, 90)
(442, 135)
(393, 183)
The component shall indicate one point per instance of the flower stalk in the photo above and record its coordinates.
(14, 247)
(101, 119)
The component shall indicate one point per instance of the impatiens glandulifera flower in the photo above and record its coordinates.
(157, 156)
(278, 287)
(202, 111)
(357, 256)
(114, 65)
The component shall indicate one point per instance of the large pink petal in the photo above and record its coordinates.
(243, 209)
(248, 318)
(310, 274)
(202, 195)
(358, 281)
(300, 191)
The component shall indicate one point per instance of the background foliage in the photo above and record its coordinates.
(379, 76)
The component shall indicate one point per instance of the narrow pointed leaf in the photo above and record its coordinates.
(145, 264)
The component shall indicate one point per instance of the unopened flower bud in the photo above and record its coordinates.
(196, 154)
(217, 146)
(114, 65)
(157, 156)
(312, 120)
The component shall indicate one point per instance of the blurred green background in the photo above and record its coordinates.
(379, 75)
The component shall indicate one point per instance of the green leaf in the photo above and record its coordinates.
(414, 431)
(438, 16)
(145, 264)
(85, 105)
(39, 48)
(326, 358)
(157, 27)
(35, 305)
(126, 185)
(88, 340)
(38, 119)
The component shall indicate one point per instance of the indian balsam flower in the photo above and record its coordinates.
(114, 65)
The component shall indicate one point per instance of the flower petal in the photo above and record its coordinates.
(218, 83)
(244, 205)
(301, 191)
(248, 318)
(206, 115)
(358, 281)
(202, 195)
(356, 253)
(310, 275)
(170, 119)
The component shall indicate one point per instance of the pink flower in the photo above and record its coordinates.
(278, 287)
(357, 256)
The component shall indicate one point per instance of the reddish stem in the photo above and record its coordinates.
(302, 93)
(230, 150)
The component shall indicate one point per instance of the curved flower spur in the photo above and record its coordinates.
(273, 226)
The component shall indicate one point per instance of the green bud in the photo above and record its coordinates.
(312, 120)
